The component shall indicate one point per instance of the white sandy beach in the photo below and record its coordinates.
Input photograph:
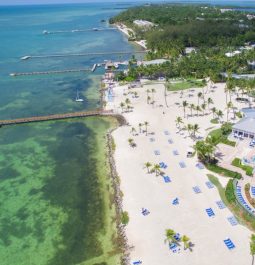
(147, 233)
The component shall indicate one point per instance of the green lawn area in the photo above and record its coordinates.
(183, 85)
(228, 197)
(223, 171)
(238, 163)
(221, 137)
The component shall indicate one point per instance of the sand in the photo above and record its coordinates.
(147, 233)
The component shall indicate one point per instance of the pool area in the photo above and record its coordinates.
(248, 112)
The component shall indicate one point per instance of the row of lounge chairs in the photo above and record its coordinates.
(242, 200)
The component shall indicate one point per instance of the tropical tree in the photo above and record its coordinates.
(203, 107)
(156, 168)
(195, 129)
(153, 91)
(127, 101)
(209, 102)
(199, 95)
(184, 105)
(131, 142)
(147, 91)
(133, 130)
(189, 128)
(229, 106)
(170, 236)
(205, 150)
(146, 124)
(185, 241)
(148, 99)
(178, 121)
(252, 247)
(198, 109)
(191, 107)
(214, 110)
(219, 114)
(148, 165)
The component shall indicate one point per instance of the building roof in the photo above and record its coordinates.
(157, 61)
(246, 125)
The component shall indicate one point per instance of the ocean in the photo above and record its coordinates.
(55, 192)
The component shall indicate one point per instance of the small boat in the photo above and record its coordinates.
(78, 99)
(45, 32)
(25, 57)
(95, 29)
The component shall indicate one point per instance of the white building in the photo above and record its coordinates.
(152, 62)
(232, 54)
(143, 23)
(245, 128)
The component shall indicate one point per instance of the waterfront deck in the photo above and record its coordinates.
(57, 117)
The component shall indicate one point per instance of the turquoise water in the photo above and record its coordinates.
(54, 182)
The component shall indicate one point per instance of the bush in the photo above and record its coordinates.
(215, 121)
(239, 115)
(238, 163)
(230, 192)
(226, 129)
(124, 218)
(223, 171)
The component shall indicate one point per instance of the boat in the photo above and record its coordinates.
(95, 29)
(45, 32)
(78, 99)
(25, 57)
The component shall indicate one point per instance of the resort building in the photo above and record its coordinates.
(143, 23)
(152, 62)
(246, 126)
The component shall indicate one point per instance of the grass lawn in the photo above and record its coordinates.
(220, 138)
(243, 217)
(223, 171)
(183, 85)
(238, 163)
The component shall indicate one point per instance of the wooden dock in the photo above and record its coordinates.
(27, 57)
(57, 117)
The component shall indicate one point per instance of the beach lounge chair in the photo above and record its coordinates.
(210, 212)
(196, 189)
(137, 262)
(152, 139)
(229, 244)
(200, 166)
(221, 205)
(175, 201)
(170, 141)
(253, 191)
(174, 248)
(166, 132)
(177, 237)
(175, 152)
(166, 179)
(182, 164)
(145, 212)
(157, 152)
(209, 185)
(232, 220)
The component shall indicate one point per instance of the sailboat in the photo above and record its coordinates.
(78, 99)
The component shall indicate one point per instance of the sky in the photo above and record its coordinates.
(29, 2)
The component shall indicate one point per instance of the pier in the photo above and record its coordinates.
(57, 117)
(55, 72)
(46, 32)
(27, 57)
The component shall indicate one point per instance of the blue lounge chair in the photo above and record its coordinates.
(166, 179)
(137, 262)
(175, 152)
(221, 205)
(210, 212)
(230, 245)
(174, 247)
(232, 220)
(177, 237)
(200, 166)
(157, 152)
(152, 139)
(253, 191)
(196, 189)
(170, 141)
(182, 164)
(175, 201)
(166, 132)
(209, 185)
(145, 212)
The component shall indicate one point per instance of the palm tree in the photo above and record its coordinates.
(156, 168)
(122, 105)
(189, 128)
(140, 127)
(127, 101)
(203, 106)
(148, 99)
(219, 114)
(148, 165)
(153, 91)
(184, 105)
(195, 129)
(198, 109)
(170, 236)
(199, 95)
(209, 102)
(133, 130)
(131, 142)
(185, 241)
(252, 247)
(191, 107)
(147, 91)
(229, 106)
(214, 110)
(146, 124)
(178, 121)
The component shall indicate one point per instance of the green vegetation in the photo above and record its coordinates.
(221, 135)
(237, 162)
(242, 215)
(186, 84)
(125, 218)
(223, 171)
(214, 121)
